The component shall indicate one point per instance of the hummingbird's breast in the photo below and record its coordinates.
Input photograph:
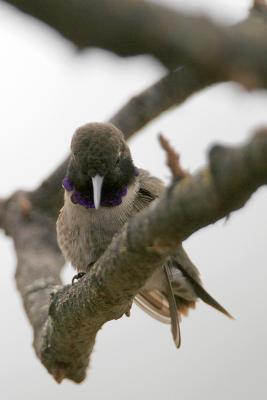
(85, 233)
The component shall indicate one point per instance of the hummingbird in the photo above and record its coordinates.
(103, 189)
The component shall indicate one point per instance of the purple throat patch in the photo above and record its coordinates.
(78, 198)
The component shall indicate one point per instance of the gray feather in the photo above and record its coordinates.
(173, 308)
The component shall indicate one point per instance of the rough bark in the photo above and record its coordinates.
(65, 331)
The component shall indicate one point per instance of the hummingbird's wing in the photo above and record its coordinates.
(181, 265)
(197, 287)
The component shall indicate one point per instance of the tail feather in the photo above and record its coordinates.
(204, 295)
(175, 325)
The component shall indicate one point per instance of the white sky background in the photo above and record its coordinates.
(46, 91)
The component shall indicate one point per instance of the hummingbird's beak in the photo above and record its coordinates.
(97, 187)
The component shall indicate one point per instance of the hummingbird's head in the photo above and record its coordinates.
(100, 163)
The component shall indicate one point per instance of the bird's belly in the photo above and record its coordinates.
(87, 236)
(74, 241)
(98, 237)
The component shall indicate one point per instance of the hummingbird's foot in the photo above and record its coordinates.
(77, 277)
(128, 312)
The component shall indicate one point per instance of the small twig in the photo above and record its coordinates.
(173, 160)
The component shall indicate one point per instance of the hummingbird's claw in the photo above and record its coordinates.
(128, 312)
(77, 277)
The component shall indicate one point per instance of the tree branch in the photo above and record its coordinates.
(65, 328)
(172, 160)
(39, 260)
(65, 338)
(131, 27)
